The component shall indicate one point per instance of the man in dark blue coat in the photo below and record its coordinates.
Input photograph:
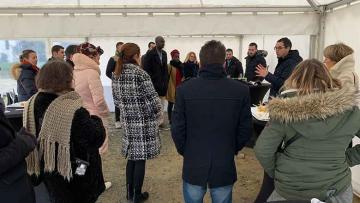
(211, 123)
(287, 61)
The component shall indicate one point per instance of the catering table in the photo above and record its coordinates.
(257, 91)
(14, 115)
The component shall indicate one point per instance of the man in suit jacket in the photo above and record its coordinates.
(155, 65)
(209, 127)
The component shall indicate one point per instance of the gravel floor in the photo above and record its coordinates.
(163, 174)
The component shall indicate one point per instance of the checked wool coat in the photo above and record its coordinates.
(140, 109)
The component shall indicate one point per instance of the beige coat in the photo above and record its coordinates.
(170, 95)
(344, 70)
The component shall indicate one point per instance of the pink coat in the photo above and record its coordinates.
(88, 84)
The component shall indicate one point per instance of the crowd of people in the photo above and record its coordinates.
(305, 148)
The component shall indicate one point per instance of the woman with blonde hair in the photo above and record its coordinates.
(339, 59)
(191, 66)
(304, 145)
(140, 110)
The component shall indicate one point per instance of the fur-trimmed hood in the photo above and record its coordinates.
(317, 114)
(16, 71)
(312, 106)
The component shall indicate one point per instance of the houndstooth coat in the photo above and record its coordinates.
(140, 109)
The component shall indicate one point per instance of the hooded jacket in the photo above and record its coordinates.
(283, 70)
(315, 164)
(251, 63)
(89, 86)
(25, 74)
(344, 70)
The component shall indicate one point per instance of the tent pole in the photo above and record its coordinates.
(321, 35)
(241, 37)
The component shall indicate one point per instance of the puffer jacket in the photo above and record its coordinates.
(25, 74)
(317, 163)
(88, 85)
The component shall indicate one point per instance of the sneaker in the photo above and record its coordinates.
(117, 125)
(108, 185)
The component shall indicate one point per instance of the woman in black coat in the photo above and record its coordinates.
(86, 135)
(191, 66)
(15, 186)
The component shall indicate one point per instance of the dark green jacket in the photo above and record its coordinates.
(317, 163)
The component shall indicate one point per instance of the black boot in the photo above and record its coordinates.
(142, 197)
(129, 192)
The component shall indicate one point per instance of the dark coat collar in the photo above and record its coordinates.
(212, 71)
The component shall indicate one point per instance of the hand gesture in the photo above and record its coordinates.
(261, 71)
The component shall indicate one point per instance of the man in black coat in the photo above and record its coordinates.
(209, 127)
(15, 185)
(233, 66)
(151, 45)
(110, 68)
(57, 53)
(155, 65)
(69, 53)
(287, 61)
(253, 59)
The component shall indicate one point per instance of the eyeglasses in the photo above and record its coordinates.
(278, 48)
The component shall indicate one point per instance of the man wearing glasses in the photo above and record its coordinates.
(287, 60)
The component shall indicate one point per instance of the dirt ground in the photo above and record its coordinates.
(163, 174)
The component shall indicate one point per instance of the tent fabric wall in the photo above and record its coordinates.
(343, 26)
(105, 26)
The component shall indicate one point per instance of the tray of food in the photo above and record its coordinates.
(260, 113)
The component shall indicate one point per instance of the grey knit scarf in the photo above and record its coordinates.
(55, 129)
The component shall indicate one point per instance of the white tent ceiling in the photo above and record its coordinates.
(45, 3)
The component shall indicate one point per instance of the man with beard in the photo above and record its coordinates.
(233, 66)
(253, 59)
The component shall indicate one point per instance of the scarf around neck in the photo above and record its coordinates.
(54, 136)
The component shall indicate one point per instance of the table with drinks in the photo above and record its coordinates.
(13, 109)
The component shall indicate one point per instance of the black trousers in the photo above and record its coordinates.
(267, 188)
(117, 114)
(135, 172)
(169, 110)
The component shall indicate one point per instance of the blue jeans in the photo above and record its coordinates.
(195, 193)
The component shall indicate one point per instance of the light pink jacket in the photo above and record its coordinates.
(88, 84)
